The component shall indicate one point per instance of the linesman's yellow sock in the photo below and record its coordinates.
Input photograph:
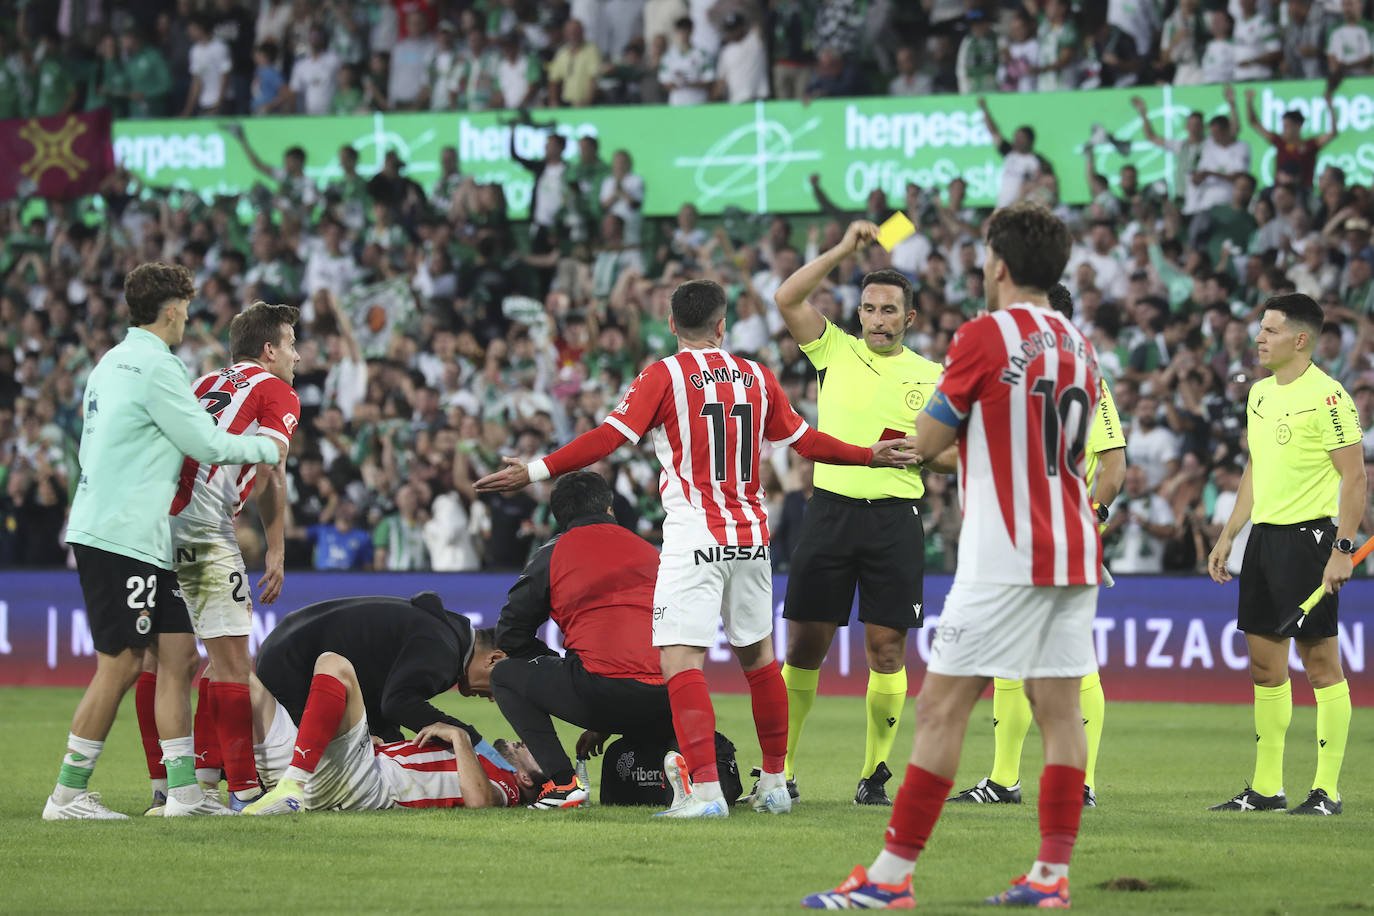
(1011, 719)
(1273, 712)
(801, 696)
(884, 701)
(1094, 703)
(1333, 725)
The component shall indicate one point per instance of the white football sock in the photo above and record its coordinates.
(890, 868)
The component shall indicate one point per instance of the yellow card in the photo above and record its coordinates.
(894, 230)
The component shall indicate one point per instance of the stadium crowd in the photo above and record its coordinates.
(476, 336)
(213, 57)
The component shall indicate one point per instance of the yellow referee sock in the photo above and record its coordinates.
(1273, 712)
(1333, 726)
(801, 696)
(886, 695)
(1094, 703)
(1011, 719)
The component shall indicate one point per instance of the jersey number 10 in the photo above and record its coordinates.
(1057, 416)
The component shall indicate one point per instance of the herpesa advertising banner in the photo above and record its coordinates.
(758, 156)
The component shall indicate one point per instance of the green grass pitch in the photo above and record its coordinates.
(1161, 765)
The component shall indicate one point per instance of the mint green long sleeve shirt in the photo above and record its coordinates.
(141, 421)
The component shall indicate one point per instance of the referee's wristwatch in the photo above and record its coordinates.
(1102, 513)
(1344, 545)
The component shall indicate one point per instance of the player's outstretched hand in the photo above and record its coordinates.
(1216, 561)
(892, 453)
(590, 743)
(860, 233)
(514, 476)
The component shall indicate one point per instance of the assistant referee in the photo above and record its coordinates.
(1306, 466)
(141, 422)
(861, 526)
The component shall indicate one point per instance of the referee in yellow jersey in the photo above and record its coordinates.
(1011, 712)
(1306, 467)
(861, 526)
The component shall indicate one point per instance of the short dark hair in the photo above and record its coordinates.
(149, 287)
(298, 151)
(889, 277)
(1300, 309)
(697, 304)
(259, 325)
(483, 640)
(1032, 241)
(1061, 300)
(578, 495)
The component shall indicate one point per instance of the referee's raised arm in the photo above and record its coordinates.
(804, 323)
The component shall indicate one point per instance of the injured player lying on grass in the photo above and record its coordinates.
(332, 761)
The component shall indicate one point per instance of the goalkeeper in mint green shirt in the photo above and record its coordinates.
(141, 421)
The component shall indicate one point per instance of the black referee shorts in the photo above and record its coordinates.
(878, 545)
(128, 601)
(1282, 566)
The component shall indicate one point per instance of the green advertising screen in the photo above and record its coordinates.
(758, 156)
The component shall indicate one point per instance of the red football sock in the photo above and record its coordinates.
(145, 690)
(208, 756)
(694, 721)
(915, 811)
(1061, 809)
(769, 696)
(234, 722)
(324, 710)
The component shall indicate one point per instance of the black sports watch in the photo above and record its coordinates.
(1102, 513)
(1345, 546)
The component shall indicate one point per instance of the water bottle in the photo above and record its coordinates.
(582, 778)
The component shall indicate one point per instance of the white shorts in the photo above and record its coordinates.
(213, 580)
(695, 591)
(347, 777)
(1015, 631)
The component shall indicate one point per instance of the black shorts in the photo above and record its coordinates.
(1283, 564)
(128, 601)
(877, 544)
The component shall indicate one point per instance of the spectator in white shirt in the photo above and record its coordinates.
(622, 193)
(686, 71)
(1219, 58)
(1223, 159)
(1258, 49)
(742, 70)
(209, 68)
(1151, 445)
(517, 72)
(1349, 47)
(330, 267)
(909, 79)
(314, 77)
(408, 62)
(1144, 522)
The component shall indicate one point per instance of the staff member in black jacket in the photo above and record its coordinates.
(404, 651)
(596, 580)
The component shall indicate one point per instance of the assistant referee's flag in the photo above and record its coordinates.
(58, 158)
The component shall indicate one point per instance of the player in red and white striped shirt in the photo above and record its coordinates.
(708, 414)
(331, 761)
(1018, 394)
(254, 395)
